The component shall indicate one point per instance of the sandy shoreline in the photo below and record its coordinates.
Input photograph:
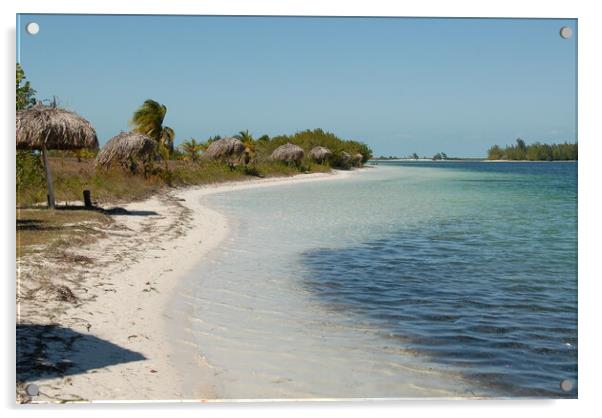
(122, 339)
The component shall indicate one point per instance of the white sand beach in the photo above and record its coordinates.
(117, 337)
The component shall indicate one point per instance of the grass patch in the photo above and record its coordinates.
(46, 230)
(72, 176)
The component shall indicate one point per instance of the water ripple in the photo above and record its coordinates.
(490, 307)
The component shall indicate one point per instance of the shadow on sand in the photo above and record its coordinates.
(47, 351)
(107, 211)
(110, 211)
(42, 225)
(35, 225)
(122, 211)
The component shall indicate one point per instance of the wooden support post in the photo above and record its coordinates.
(87, 199)
(50, 195)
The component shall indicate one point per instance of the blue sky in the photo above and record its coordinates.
(401, 85)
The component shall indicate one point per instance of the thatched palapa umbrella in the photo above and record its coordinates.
(288, 153)
(320, 154)
(345, 157)
(357, 159)
(225, 149)
(45, 128)
(127, 147)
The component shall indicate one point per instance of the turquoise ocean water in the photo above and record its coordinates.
(408, 279)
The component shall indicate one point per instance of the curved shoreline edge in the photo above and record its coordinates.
(211, 228)
(139, 321)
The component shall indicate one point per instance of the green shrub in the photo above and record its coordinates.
(31, 182)
(310, 138)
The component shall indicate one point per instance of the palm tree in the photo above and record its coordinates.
(191, 149)
(247, 139)
(148, 120)
(167, 138)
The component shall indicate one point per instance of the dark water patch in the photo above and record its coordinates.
(554, 169)
(487, 304)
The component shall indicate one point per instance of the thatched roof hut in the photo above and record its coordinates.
(345, 157)
(226, 149)
(320, 154)
(127, 147)
(357, 159)
(44, 128)
(288, 153)
(53, 128)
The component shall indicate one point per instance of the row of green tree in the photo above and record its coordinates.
(534, 152)
(148, 119)
(261, 148)
(308, 139)
(438, 156)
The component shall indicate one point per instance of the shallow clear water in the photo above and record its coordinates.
(407, 280)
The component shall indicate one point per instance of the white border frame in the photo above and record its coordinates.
(590, 33)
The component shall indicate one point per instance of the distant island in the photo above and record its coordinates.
(440, 156)
(534, 152)
(517, 152)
